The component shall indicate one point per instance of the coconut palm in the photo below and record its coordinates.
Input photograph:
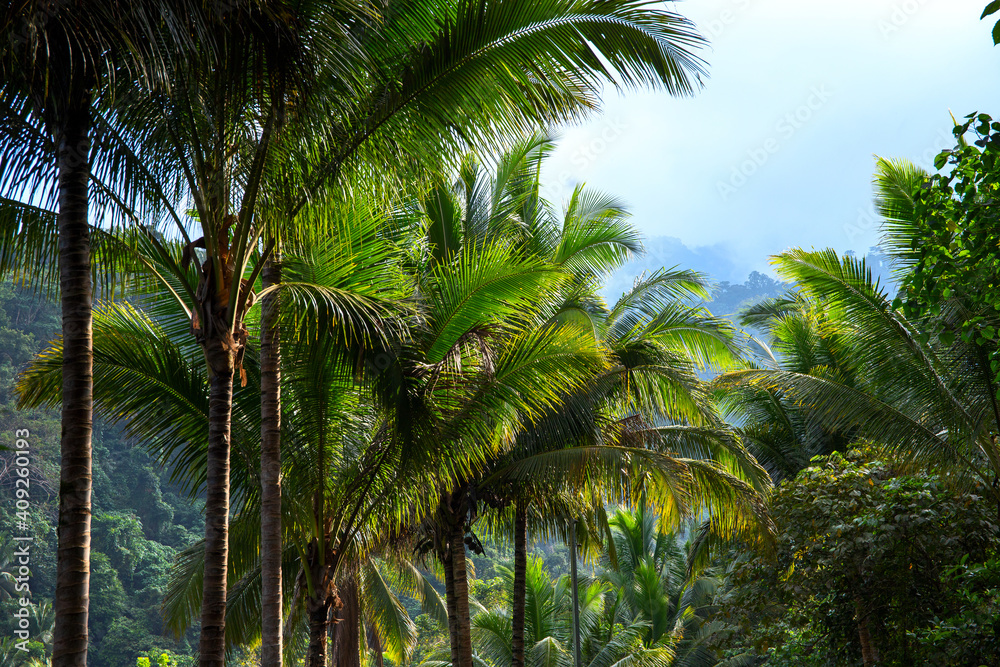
(653, 338)
(462, 378)
(801, 338)
(924, 397)
(549, 626)
(58, 61)
(486, 421)
(483, 208)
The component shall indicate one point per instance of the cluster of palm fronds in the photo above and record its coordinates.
(640, 606)
(842, 364)
(445, 364)
(183, 151)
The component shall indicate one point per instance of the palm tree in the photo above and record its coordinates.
(566, 356)
(479, 210)
(924, 397)
(549, 625)
(443, 398)
(656, 343)
(57, 61)
(802, 338)
(649, 576)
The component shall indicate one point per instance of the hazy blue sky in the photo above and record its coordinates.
(777, 150)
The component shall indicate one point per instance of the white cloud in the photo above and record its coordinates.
(890, 71)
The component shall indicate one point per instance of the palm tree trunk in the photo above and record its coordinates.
(347, 631)
(270, 470)
(449, 599)
(221, 361)
(323, 598)
(72, 597)
(520, 581)
(319, 623)
(461, 621)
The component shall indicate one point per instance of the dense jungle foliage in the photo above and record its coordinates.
(329, 380)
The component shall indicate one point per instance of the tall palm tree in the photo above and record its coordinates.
(58, 60)
(443, 400)
(657, 341)
(555, 42)
(488, 419)
(480, 209)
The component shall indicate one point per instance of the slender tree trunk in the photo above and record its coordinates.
(72, 596)
(869, 654)
(270, 470)
(520, 581)
(221, 360)
(449, 599)
(324, 599)
(347, 630)
(319, 623)
(450, 547)
(462, 621)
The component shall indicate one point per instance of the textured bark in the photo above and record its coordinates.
(319, 622)
(450, 547)
(462, 621)
(346, 650)
(869, 654)
(270, 471)
(72, 596)
(520, 581)
(449, 601)
(221, 360)
(322, 563)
